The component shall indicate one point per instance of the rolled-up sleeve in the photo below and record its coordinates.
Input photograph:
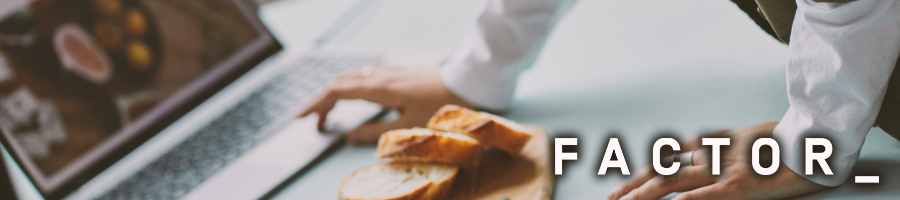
(839, 62)
(506, 40)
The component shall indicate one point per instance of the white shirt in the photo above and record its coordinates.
(839, 62)
(507, 39)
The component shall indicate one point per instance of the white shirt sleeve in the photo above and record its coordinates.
(839, 62)
(506, 40)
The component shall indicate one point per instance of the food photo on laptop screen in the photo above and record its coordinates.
(79, 77)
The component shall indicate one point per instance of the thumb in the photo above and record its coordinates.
(369, 133)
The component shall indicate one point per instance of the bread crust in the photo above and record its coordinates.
(414, 195)
(482, 126)
(439, 190)
(426, 145)
(431, 190)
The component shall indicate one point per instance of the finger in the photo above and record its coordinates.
(321, 103)
(645, 173)
(369, 133)
(695, 142)
(714, 191)
(312, 107)
(692, 143)
(357, 71)
(341, 89)
(687, 179)
(353, 72)
(320, 106)
(320, 125)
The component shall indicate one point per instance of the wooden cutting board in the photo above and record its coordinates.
(498, 175)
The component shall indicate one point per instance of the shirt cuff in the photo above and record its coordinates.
(791, 134)
(486, 87)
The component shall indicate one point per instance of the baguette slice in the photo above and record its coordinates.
(399, 180)
(426, 145)
(487, 128)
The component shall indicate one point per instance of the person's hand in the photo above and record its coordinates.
(416, 93)
(737, 179)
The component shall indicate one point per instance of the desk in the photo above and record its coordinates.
(612, 68)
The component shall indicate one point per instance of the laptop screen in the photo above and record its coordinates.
(80, 78)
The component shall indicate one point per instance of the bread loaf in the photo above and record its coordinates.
(425, 145)
(487, 128)
(399, 180)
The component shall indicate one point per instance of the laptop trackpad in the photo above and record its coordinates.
(349, 114)
(281, 155)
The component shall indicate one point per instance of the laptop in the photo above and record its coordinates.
(164, 99)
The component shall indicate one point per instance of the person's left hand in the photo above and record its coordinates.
(414, 92)
(737, 179)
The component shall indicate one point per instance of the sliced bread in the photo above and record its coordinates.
(487, 128)
(399, 180)
(426, 145)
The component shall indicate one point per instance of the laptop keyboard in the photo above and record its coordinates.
(234, 132)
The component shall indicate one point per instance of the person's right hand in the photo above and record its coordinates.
(416, 93)
(737, 179)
